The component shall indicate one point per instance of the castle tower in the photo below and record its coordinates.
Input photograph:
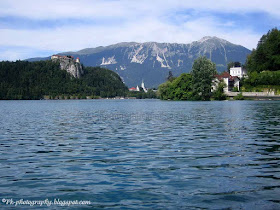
(78, 60)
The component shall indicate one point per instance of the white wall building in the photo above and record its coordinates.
(230, 81)
(238, 72)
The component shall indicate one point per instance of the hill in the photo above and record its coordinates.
(33, 80)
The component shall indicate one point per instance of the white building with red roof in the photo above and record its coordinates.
(229, 80)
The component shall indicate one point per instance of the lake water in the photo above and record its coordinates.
(135, 154)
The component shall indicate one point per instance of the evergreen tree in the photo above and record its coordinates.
(170, 76)
(267, 54)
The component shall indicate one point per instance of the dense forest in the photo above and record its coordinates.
(34, 80)
(263, 64)
(267, 54)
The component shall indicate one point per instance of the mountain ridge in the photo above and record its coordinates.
(151, 61)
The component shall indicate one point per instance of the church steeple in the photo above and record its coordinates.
(143, 86)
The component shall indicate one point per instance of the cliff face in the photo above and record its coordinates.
(74, 68)
(68, 64)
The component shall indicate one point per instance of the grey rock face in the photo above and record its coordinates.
(68, 64)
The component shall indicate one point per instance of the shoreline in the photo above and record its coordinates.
(246, 98)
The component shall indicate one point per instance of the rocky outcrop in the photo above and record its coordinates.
(68, 64)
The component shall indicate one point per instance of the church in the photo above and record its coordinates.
(138, 89)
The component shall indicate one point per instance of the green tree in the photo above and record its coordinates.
(179, 89)
(165, 91)
(267, 54)
(219, 94)
(203, 71)
(263, 64)
(170, 76)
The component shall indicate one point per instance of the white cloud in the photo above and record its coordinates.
(75, 38)
(140, 21)
(53, 9)
(12, 55)
(240, 6)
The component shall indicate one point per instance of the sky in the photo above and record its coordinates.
(39, 28)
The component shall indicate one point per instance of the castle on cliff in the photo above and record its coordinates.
(68, 63)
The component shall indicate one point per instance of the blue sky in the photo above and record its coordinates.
(31, 28)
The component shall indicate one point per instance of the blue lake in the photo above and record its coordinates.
(135, 154)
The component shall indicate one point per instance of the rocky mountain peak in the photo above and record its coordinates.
(151, 61)
(212, 39)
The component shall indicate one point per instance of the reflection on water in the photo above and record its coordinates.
(142, 153)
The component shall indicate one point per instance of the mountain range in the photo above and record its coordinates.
(151, 61)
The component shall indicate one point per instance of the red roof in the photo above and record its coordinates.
(133, 88)
(225, 75)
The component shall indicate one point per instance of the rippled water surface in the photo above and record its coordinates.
(142, 153)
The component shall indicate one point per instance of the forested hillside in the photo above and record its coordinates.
(33, 80)
(263, 64)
